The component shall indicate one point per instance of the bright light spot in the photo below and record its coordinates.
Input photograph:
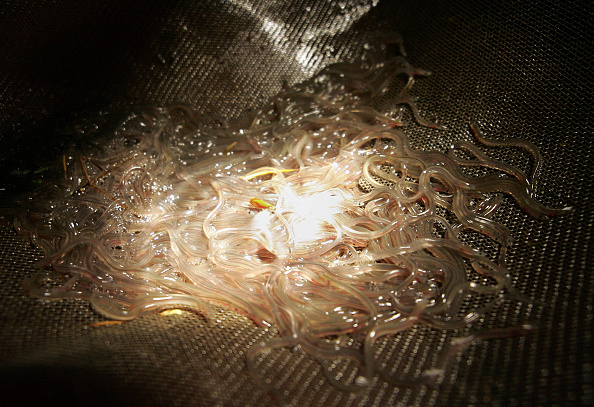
(309, 214)
(305, 230)
(309, 217)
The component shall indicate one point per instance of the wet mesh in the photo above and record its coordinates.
(518, 69)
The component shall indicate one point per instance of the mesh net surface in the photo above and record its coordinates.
(518, 69)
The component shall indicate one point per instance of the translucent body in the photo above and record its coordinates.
(312, 214)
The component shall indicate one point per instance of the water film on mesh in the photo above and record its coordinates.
(71, 74)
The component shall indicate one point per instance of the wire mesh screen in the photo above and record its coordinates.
(70, 73)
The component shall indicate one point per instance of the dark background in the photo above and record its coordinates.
(70, 71)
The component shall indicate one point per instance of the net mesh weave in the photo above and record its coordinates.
(518, 69)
